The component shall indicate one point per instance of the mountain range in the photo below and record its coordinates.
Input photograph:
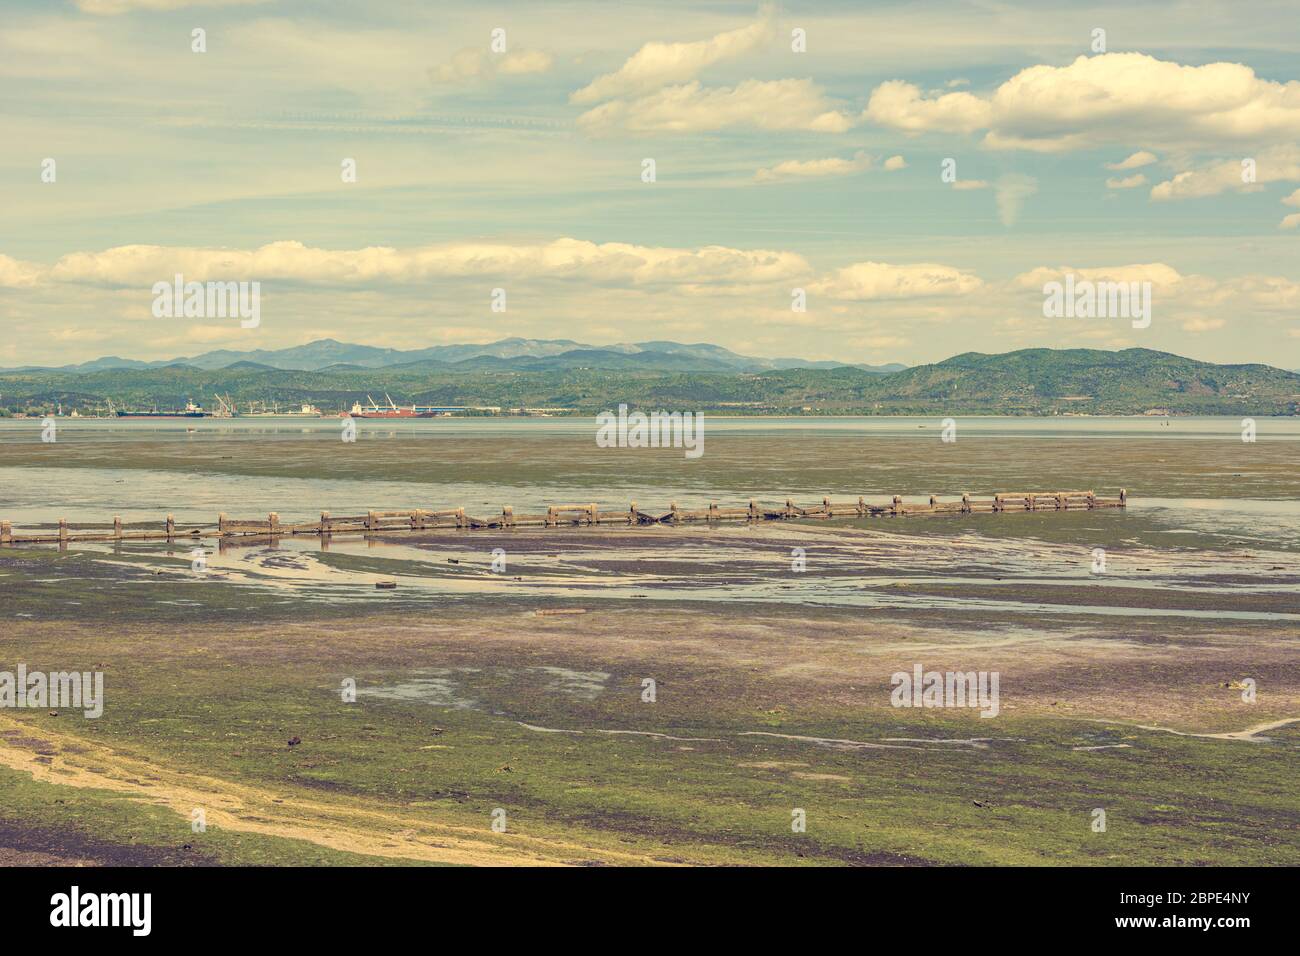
(511, 353)
(587, 381)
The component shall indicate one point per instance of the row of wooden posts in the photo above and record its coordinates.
(563, 516)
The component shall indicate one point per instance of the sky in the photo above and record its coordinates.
(798, 151)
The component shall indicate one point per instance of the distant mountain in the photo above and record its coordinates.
(511, 353)
(1026, 382)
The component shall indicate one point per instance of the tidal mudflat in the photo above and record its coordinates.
(717, 680)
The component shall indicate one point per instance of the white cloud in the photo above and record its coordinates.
(817, 168)
(657, 64)
(1114, 97)
(1269, 165)
(1136, 161)
(895, 163)
(1128, 182)
(1292, 220)
(561, 259)
(1159, 274)
(964, 184)
(760, 104)
(1195, 325)
(882, 280)
(15, 274)
(473, 63)
(900, 105)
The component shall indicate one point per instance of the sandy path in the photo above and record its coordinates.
(67, 760)
(1250, 733)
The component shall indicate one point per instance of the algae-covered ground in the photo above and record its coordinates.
(478, 713)
(723, 698)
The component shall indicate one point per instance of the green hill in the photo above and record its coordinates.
(1027, 382)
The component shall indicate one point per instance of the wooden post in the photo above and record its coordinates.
(63, 530)
(753, 510)
(631, 514)
(862, 506)
(370, 521)
(324, 522)
(1062, 501)
(713, 511)
(550, 517)
(997, 502)
(1031, 503)
(789, 508)
(1123, 498)
(117, 526)
(933, 501)
(6, 532)
(1092, 500)
(672, 507)
(826, 504)
(221, 524)
(171, 527)
(898, 504)
(415, 519)
(460, 518)
(965, 502)
(273, 523)
(507, 517)
(591, 513)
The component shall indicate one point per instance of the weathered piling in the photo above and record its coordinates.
(567, 515)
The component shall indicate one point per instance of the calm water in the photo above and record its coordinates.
(1209, 514)
(1192, 477)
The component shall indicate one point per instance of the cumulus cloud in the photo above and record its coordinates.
(15, 274)
(964, 184)
(761, 104)
(1293, 220)
(894, 163)
(902, 106)
(472, 63)
(1274, 164)
(1159, 274)
(1127, 182)
(1193, 298)
(818, 168)
(1113, 97)
(882, 280)
(1136, 161)
(560, 259)
(657, 64)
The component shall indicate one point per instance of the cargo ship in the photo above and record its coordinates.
(393, 410)
(191, 411)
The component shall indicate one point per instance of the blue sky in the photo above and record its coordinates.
(481, 168)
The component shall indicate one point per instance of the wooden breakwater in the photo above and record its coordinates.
(557, 516)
